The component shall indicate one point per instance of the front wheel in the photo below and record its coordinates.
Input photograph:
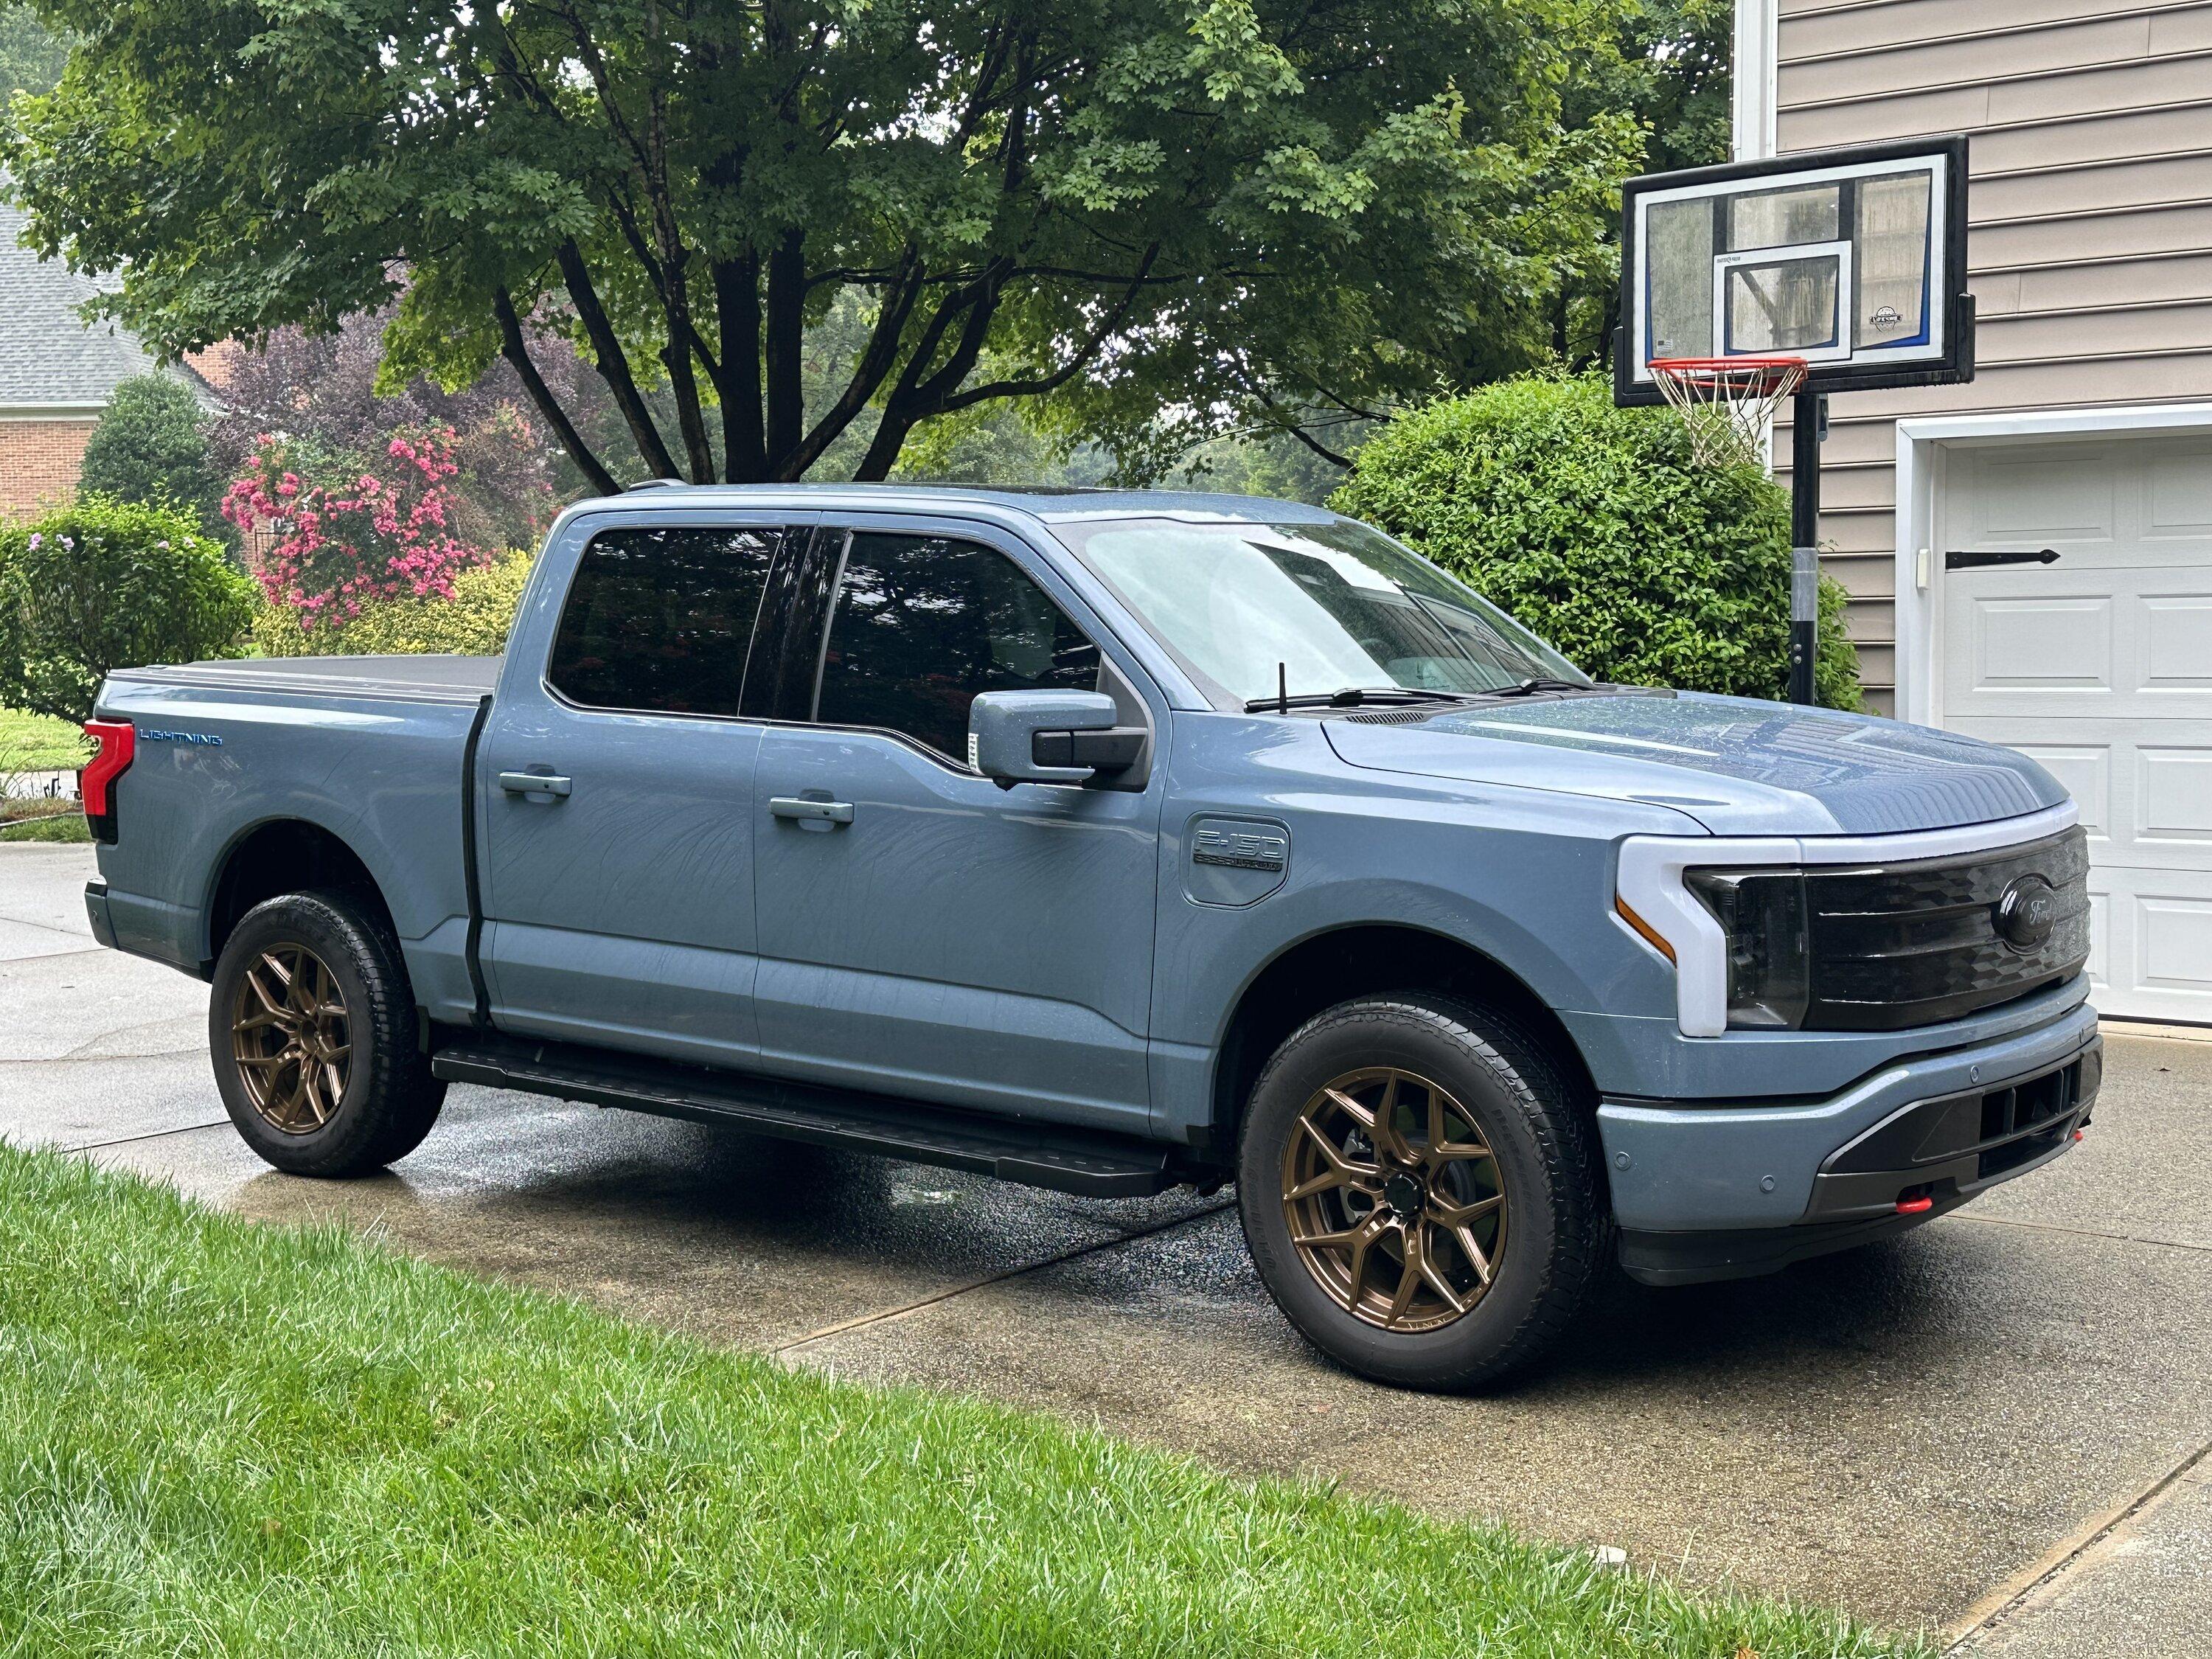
(311, 1025)
(1419, 1191)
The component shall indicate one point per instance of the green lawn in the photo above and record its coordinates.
(40, 824)
(37, 743)
(219, 1437)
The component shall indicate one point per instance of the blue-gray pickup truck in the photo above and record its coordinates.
(1110, 841)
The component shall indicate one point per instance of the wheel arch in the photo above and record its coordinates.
(284, 855)
(1363, 959)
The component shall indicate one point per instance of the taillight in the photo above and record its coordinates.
(96, 783)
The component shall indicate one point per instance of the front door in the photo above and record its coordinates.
(2099, 663)
(618, 899)
(927, 932)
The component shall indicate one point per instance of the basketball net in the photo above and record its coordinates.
(1727, 402)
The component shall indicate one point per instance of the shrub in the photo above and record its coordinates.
(340, 536)
(1592, 525)
(104, 585)
(151, 447)
(474, 622)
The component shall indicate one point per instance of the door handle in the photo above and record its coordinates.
(533, 783)
(1978, 561)
(809, 811)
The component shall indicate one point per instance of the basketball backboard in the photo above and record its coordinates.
(1852, 260)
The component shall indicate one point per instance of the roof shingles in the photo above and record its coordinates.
(49, 357)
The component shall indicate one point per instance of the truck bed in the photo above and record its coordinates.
(239, 765)
(439, 679)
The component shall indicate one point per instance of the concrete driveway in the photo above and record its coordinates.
(1997, 1426)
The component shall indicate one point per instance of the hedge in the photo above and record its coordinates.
(474, 622)
(1592, 525)
(103, 585)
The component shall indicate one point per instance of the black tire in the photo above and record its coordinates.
(1554, 1231)
(386, 1100)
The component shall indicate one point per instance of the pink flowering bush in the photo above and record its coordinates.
(325, 537)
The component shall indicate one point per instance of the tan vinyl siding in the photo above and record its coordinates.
(2090, 246)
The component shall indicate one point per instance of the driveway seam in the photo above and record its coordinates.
(91, 949)
(885, 1315)
(2080, 1232)
(151, 1134)
(2001, 1603)
(77, 1056)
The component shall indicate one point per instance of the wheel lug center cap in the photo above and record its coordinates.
(1405, 1193)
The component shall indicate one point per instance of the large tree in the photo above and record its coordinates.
(1251, 211)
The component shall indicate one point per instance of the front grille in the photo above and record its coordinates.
(1907, 945)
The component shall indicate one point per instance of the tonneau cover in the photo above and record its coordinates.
(442, 679)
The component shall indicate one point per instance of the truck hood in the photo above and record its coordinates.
(1738, 767)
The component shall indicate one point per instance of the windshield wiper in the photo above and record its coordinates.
(1531, 688)
(1352, 696)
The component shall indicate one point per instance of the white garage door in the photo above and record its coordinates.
(2099, 666)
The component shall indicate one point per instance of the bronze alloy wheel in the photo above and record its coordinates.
(291, 1038)
(1395, 1202)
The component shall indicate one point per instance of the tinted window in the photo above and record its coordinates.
(661, 619)
(923, 623)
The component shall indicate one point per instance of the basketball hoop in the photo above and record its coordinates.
(1726, 402)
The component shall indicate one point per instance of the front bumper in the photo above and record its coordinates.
(1710, 1192)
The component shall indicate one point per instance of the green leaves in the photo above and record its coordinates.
(1233, 207)
(104, 585)
(151, 447)
(1592, 525)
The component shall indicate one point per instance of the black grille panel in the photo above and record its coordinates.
(1916, 944)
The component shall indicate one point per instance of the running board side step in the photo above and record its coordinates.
(1093, 1165)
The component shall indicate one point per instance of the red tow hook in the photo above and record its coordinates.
(1919, 1206)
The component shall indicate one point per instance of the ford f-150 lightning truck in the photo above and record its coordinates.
(1109, 841)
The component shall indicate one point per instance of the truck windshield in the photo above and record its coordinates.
(1316, 610)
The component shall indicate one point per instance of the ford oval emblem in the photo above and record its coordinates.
(2026, 912)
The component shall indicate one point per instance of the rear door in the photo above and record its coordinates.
(937, 935)
(619, 898)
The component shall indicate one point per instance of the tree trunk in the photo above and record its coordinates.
(613, 363)
(515, 348)
(737, 303)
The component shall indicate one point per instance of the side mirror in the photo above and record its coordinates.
(1048, 737)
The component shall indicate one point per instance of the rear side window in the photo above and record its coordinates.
(661, 619)
(922, 623)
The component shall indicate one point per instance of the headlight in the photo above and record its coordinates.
(1762, 913)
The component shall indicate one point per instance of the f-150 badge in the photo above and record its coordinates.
(1241, 847)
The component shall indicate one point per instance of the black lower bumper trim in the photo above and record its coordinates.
(1962, 1144)
(1747, 1253)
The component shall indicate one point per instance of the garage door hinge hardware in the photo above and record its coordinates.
(1976, 560)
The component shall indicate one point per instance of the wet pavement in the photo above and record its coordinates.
(2001, 1420)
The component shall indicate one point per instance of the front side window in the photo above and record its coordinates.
(924, 623)
(660, 619)
(1314, 609)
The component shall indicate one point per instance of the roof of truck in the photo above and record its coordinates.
(1039, 500)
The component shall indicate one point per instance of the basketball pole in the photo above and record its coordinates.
(1805, 423)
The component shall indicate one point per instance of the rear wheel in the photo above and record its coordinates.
(312, 1026)
(1419, 1191)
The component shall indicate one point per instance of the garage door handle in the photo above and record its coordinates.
(811, 811)
(1977, 560)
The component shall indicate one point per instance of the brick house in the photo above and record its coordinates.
(56, 373)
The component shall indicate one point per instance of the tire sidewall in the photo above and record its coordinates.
(353, 957)
(1415, 1038)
